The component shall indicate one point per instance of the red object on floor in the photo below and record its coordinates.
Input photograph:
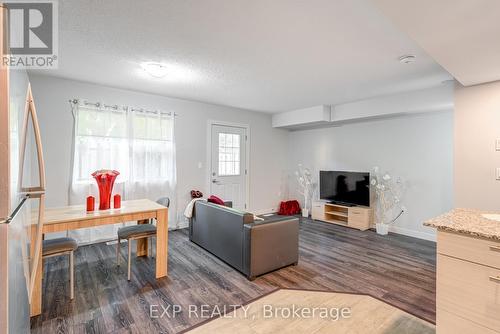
(90, 203)
(105, 180)
(117, 201)
(215, 200)
(288, 208)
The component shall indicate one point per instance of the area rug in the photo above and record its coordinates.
(299, 311)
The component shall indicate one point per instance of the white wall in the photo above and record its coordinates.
(477, 126)
(418, 148)
(268, 150)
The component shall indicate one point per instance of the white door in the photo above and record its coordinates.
(228, 165)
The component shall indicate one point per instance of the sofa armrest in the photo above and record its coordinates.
(270, 245)
(219, 229)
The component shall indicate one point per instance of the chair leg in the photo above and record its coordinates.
(129, 256)
(153, 255)
(118, 253)
(72, 275)
(150, 244)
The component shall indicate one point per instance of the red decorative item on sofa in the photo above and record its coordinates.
(216, 200)
(289, 208)
(105, 180)
(196, 194)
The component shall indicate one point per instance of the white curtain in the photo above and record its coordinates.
(139, 144)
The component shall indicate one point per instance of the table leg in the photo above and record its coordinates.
(36, 294)
(161, 242)
(142, 244)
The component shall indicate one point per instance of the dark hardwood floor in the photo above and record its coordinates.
(397, 269)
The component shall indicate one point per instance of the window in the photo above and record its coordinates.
(140, 145)
(101, 142)
(137, 144)
(151, 147)
(229, 154)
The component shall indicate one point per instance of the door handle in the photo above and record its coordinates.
(16, 210)
(215, 181)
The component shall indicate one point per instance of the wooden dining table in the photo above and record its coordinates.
(75, 217)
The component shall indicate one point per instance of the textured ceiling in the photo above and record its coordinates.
(467, 44)
(262, 55)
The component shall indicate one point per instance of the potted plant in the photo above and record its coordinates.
(304, 179)
(388, 207)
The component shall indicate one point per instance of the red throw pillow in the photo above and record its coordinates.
(215, 200)
(289, 208)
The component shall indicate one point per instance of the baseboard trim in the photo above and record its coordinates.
(183, 224)
(263, 211)
(413, 233)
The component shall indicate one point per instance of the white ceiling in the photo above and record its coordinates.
(462, 35)
(262, 55)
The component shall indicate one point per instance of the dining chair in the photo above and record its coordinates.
(62, 246)
(135, 232)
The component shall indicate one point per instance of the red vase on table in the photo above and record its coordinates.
(105, 180)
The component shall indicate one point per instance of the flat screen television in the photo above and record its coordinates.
(349, 188)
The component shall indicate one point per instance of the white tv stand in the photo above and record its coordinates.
(358, 217)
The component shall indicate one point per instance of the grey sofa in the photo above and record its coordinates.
(253, 248)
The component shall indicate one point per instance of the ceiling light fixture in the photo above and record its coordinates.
(156, 70)
(407, 59)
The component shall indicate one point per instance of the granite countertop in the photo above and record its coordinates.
(467, 221)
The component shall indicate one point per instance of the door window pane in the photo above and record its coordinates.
(229, 154)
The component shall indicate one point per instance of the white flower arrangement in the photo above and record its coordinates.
(306, 186)
(388, 191)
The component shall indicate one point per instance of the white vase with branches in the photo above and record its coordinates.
(304, 179)
(388, 192)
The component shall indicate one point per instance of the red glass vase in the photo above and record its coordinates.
(105, 180)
